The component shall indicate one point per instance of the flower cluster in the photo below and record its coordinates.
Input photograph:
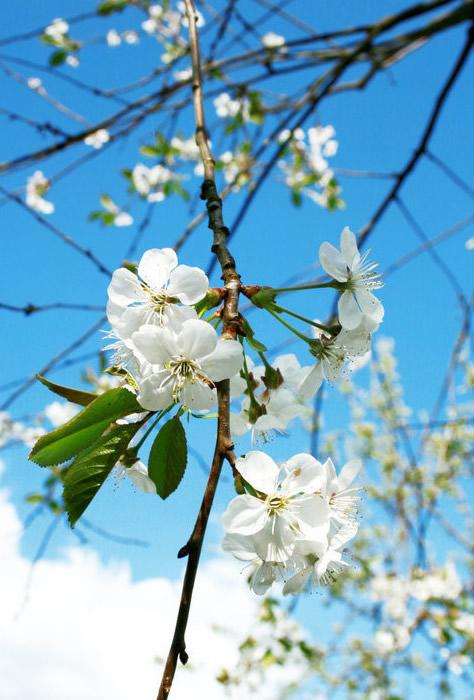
(152, 183)
(306, 168)
(170, 355)
(56, 34)
(273, 396)
(294, 520)
(165, 24)
(112, 215)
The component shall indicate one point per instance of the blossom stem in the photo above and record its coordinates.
(333, 284)
(289, 326)
(321, 326)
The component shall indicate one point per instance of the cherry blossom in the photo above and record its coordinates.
(36, 186)
(97, 138)
(357, 277)
(186, 364)
(152, 297)
(281, 509)
(273, 41)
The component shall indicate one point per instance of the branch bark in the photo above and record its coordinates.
(231, 328)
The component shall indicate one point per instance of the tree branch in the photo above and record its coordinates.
(223, 447)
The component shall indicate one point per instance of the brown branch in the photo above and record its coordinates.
(223, 448)
(30, 309)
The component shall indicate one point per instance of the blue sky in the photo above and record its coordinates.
(377, 130)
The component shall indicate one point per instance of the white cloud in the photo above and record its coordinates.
(88, 632)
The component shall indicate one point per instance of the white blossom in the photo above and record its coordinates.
(185, 74)
(358, 278)
(57, 29)
(36, 186)
(321, 561)
(138, 474)
(72, 61)
(113, 38)
(283, 509)
(130, 37)
(152, 297)
(341, 498)
(34, 83)
(273, 41)
(149, 182)
(97, 138)
(121, 218)
(186, 364)
(227, 108)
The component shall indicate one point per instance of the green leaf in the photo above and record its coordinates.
(57, 57)
(296, 198)
(82, 430)
(88, 472)
(151, 151)
(35, 498)
(168, 457)
(107, 7)
(83, 398)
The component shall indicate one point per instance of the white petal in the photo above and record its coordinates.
(133, 318)
(348, 473)
(259, 470)
(283, 404)
(198, 396)
(370, 305)
(333, 365)
(349, 313)
(240, 546)
(296, 583)
(290, 369)
(344, 534)
(333, 262)
(225, 361)
(196, 339)
(156, 265)
(269, 422)
(239, 424)
(174, 316)
(349, 248)
(276, 541)
(331, 474)
(262, 578)
(138, 473)
(310, 382)
(153, 395)
(114, 313)
(311, 512)
(156, 344)
(125, 288)
(188, 284)
(305, 475)
(245, 515)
